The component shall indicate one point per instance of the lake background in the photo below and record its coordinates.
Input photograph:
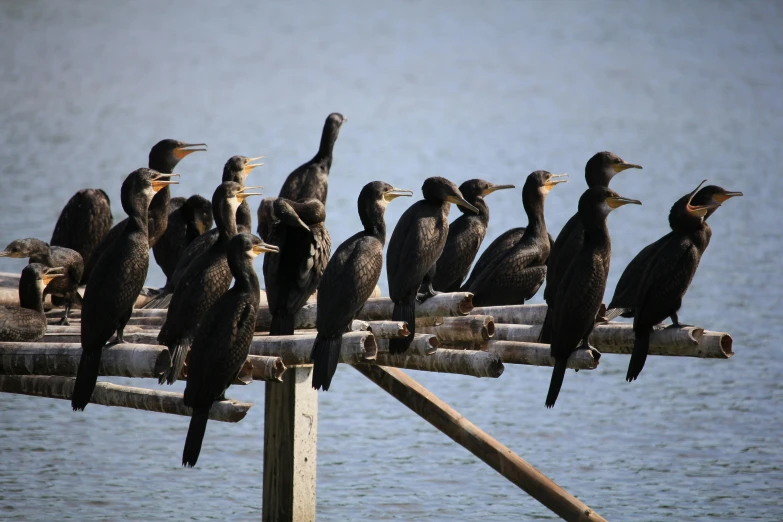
(690, 90)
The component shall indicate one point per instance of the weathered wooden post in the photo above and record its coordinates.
(290, 436)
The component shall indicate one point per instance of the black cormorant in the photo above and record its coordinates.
(83, 223)
(27, 322)
(599, 171)
(465, 236)
(311, 179)
(515, 275)
(583, 283)
(188, 219)
(116, 280)
(222, 342)
(668, 275)
(236, 169)
(204, 281)
(292, 275)
(415, 246)
(163, 157)
(349, 279)
(65, 287)
(624, 297)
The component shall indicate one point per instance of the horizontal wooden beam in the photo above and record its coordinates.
(462, 362)
(499, 457)
(514, 314)
(422, 344)
(295, 350)
(474, 329)
(536, 354)
(108, 394)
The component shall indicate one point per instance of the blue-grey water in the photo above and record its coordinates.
(690, 90)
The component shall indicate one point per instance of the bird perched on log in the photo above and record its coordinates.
(27, 322)
(83, 223)
(221, 345)
(188, 219)
(624, 299)
(599, 171)
(117, 279)
(291, 276)
(65, 286)
(163, 157)
(668, 275)
(415, 246)
(349, 279)
(465, 236)
(582, 286)
(236, 169)
(311, 180)
(515, 274)
(207, 278)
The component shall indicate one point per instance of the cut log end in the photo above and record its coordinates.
(370, 348)
(489, 325)
(466, 305)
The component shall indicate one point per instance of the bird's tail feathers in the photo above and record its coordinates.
(325, 355)
(196, 430)
(86, 378)
(178, 355)
(162, 301)
(282, 324)
(641, 345)
(558, 374)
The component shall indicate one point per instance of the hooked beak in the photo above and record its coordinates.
(396, 193)
(462, 203)
(493, 188)
(53, 273)
(242, 195)
(720, 198)
(6, 253)
(264, 247)
(619, 167)
(162, 180)
(555, 179)
(187, 148)
(619, 201)
(250, 165)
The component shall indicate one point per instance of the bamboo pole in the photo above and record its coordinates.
(44, 358)
(476, 329)
(514, 314)
(388, 329)
(462, 362)
(500, 458)
(422, 344)
(688, 341)
(294, 350)
(536, 354)
(441, 305)
(108, 394)
(266, 368)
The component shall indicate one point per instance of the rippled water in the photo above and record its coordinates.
(689, 90)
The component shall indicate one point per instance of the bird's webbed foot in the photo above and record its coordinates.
(118, 339)
(676, 323)
(64, 321)
(431, 292)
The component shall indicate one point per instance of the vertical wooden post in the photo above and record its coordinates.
(290, 438)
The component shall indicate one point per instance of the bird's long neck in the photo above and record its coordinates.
(138, 217)
(42, 253)
(596, 232)
(328, 137)
(226, 222)
(245, 277)
(374, 224)
(244, 218)
(30, 294)
(481, 205)
(534, 208)
(159, 207)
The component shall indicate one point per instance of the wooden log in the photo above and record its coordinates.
(536, 354)
(290, 439)
(422, 344)
(267, 368)
(514, 314)
(295, 350)
(388, 329)
(468, 329)
(139, 336)
(107, 394)
(124, 360)
(690, 341)
(500, 458)
(462, 362)
(442, 305)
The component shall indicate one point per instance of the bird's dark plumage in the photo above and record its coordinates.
(116, 280)
(349, 279)
(415, 246)
(465, 236)
(188, 219)
(668, 275)
(599, 171)
(204, 281)
(583, 283)
(163, 157)
(83, 223)
(65, 287)
(624, 299)
(515, 275)
(27, 322)
(310, 180)
(292, 275)
(222, 342)
(236, 169)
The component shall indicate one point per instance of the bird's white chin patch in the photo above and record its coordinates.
(251, 254)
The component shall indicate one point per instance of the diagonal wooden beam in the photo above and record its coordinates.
(465, 433)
